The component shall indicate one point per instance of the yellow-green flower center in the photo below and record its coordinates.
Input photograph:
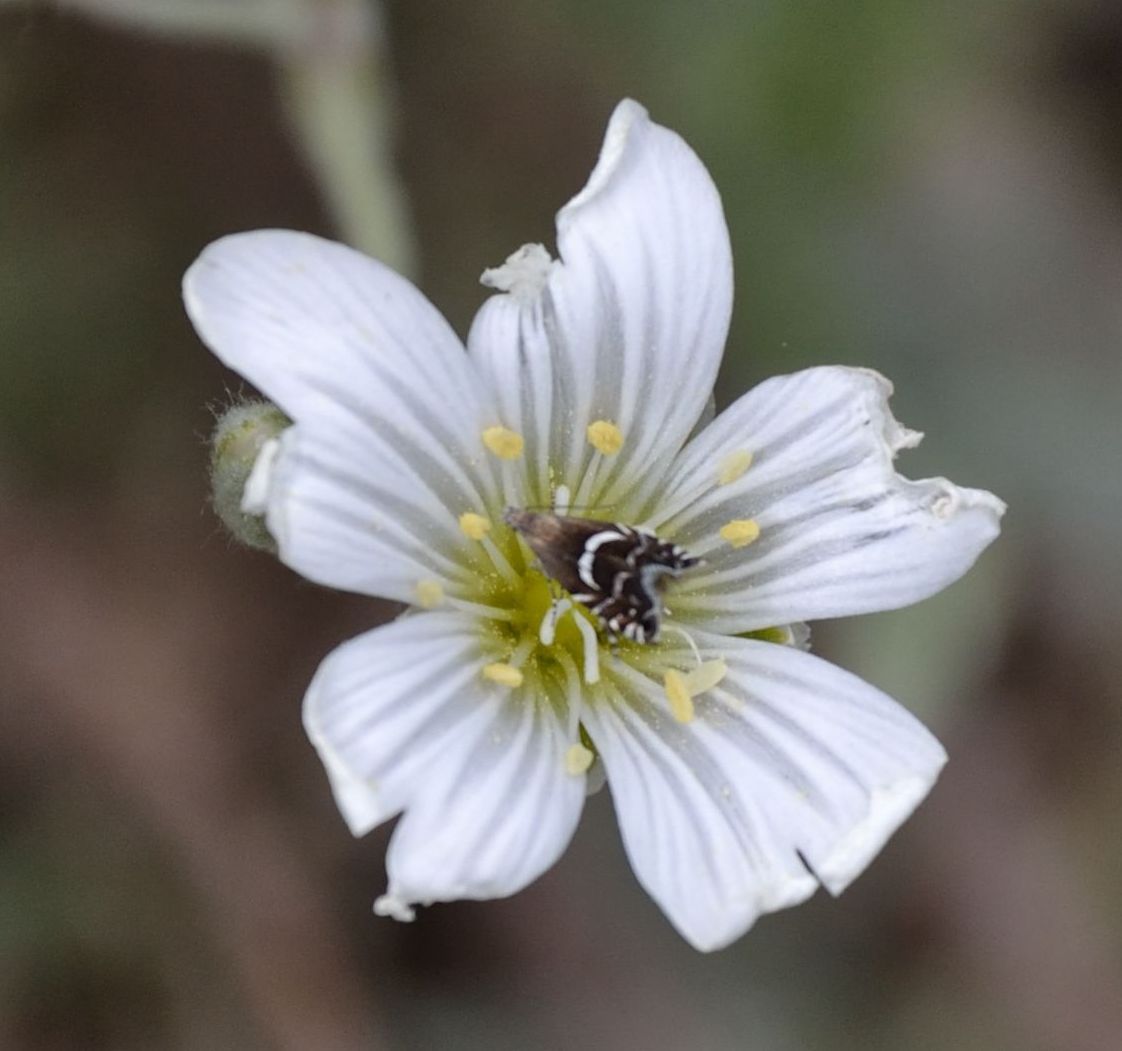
(538, 640)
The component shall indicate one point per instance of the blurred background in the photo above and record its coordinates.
(933, 190)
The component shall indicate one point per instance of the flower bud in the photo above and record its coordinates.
(241, 448)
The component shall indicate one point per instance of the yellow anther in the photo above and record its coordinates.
(740, 532)
(705, 676)
(605, 437)
(429, 594)
(475, 527)
(503, 674)
(678, 694)
(578, 759)
(733, 466)
(503, 442)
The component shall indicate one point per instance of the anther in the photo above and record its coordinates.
(503, 442)
(733, 466)
(503, 674)
(740, 532)
(578, 759)
(473, 526)
(678, 694)
(605, 437)
(705, 676)
(429, 594)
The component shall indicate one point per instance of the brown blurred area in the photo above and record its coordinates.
(931, 190)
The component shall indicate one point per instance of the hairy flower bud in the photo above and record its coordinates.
(243, 432)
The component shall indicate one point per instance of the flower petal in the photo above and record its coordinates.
(790, 769)
(627, 327)
(361, 806)
(497, 811)
(404, 719)
(839, 531)
(382, 703)
(389, 412)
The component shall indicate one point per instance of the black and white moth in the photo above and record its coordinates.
(617, 571)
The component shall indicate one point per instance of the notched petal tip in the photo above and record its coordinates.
(889, 807)
(948, 500)
(893, 434)
(941, 498)
(358, 801)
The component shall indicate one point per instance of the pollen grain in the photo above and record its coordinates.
(503, 442)
(740, 532)
(605, 437)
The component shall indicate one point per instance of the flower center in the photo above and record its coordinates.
(552, 590)
(543, 632)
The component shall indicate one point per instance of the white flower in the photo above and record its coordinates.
(743, 771)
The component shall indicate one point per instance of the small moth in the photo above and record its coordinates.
(615, 570)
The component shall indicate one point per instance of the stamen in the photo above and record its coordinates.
(574, 693)
(705, 676)
(503, 442)
(561, 498)
(430, 594)
(523, 650)
(578, 759)
(674, 629)
(591, 650)
(729, 469)
(474, 527)
(503, 674)
(678, 694)
(605, 437)
(500, 562)
(479, 609)
(733, 466)
(548, 630)
(740, 532)
(588, 482)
